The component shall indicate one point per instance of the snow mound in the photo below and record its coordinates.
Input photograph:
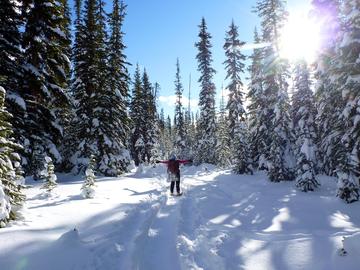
(69, 238)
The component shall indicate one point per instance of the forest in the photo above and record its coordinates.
(68, 100)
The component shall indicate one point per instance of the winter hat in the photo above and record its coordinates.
(172, 156)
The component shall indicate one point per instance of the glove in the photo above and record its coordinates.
(190, 161)
(157, 161)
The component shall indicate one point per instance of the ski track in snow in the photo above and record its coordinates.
(221, 222)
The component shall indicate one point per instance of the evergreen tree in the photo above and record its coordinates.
(100, 118)
(274, 83)
(154, 128)
(179, 116)
(11, 72)
(87, 189)
(76, 85)
(49, 175)
(259, 126)
(169, 137)
(5, 207)
(304, 125)
(162, 138)
(242, 160)
(45, 81)
(328, 96)
(348, 74)
(206, 129)
(138, 124)
(223, 150)
(114, 118)
(189, 128)
(149, 114)
(237, 115)
(11, 196)
(10, 49)
(235, 67)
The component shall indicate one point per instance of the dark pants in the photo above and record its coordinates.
(177, 186)
(177, 176)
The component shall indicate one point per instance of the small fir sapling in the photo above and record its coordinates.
(5, 207)
(87, 190)
(49, 175)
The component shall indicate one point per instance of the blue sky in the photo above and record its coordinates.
(159, 31)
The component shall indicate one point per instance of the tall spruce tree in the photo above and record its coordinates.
(137, 120)
(11, 196)
(10, 46)
(179, 116)
(162, 138)
(303, 113)
(206, 125)
(327, 94)
(11, 71)
(189, 127)
(76, 86)
(46, 68)
(274, 83)
(234, 65)
(115, 157)
(94, 107)
(237, 116)
(169, 136)
(348, 80)
(259, 126)
(147, 115)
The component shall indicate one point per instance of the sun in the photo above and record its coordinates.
(300, 38)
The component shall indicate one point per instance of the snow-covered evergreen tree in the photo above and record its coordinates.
(100, 124)
(303, 113)
(234, 65)
(348, 80)
(259, 125)
(137, 119)
(189, 127)
(5, 207)
(11, 72)
(329, 102)
(223, 150)
(48, 174)
(237, 116)
(76, 84)
(179, 116)
(46, 70)
(87, 189)
(11, 196)
(242, 159)
(169, 137)
(162, 143)
(149, 118)
(155, 151)
(206, 125)
(274, 83)
(114, 156)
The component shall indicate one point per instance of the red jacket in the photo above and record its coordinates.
(173, 165)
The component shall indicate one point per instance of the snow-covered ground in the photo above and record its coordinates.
(223, 221)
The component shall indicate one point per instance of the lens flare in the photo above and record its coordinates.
(300, 38)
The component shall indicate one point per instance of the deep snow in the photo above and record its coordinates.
(223, 221)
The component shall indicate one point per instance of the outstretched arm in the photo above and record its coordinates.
(183, 161)
(162, 161)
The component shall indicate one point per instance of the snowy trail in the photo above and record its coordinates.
(223, 221)
(156, 246)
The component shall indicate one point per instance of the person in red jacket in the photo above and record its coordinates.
(173, 169)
